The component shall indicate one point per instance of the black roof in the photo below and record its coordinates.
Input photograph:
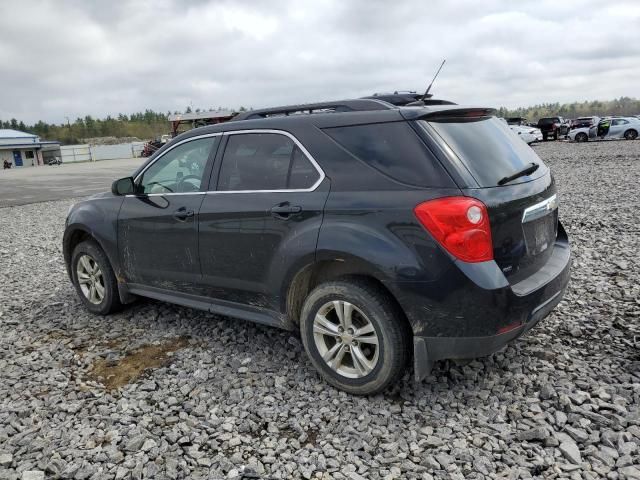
(368, 104)
(321, 107)
(333, 114)
(330, 114)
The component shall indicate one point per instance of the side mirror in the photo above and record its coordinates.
(123, 186)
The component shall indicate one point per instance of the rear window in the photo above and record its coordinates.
(547, 121)
(393, 149)
(488, 148)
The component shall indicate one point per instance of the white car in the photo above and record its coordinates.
(619, 127)
(528, 135)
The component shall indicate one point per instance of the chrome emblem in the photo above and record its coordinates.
(540, 209)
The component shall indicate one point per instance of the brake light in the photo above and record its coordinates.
(460, 225)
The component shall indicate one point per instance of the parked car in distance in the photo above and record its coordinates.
(521, 121)
(583, 122)
(151, 147)
(528, 135)
(608, 129)
(380, 233)
(552, 127)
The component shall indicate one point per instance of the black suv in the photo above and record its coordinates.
(553, 127)
(381, 233)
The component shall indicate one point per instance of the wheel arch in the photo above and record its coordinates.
(314, 274)
(73, 236)
(78, 233)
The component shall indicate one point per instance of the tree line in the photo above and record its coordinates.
(621, 106)
(150, 124)
(144, 125)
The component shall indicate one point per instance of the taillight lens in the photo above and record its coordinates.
(460, 225)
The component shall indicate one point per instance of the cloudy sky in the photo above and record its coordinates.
(73, 58)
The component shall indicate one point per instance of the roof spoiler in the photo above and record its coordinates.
(450, 113)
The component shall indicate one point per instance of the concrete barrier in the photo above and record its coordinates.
(93, 153)
(75, 153)
(110, 152)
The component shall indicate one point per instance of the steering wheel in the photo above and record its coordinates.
(157, 187)
(190, 186)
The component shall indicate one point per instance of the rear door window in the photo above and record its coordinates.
(488, 149)
(393, 149)
(265, 161)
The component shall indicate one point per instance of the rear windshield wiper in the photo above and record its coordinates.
(525, 171)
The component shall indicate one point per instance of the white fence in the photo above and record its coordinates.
(92, 153)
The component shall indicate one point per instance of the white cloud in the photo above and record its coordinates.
(76, 58)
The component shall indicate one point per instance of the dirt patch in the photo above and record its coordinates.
(312, 436)
(115, 374)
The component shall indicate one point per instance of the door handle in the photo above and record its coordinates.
(284, 210)
(182, 214)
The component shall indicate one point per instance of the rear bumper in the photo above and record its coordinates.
(482, 311)
(428, 350)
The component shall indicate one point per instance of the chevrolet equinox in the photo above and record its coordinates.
(385, 234)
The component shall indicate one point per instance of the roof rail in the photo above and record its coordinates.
(355, 105)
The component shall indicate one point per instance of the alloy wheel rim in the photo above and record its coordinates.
(90, 279)
(346, 339)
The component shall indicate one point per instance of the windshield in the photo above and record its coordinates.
(488, 149)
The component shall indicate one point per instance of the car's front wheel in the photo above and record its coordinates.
(94, 279)
(631, 134)
(581, 137)
(355, 336)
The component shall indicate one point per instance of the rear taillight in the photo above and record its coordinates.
(460, 225)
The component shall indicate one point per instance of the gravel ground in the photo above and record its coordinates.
(160, 391)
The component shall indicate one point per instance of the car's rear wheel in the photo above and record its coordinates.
(631, 134)
(94, 279)
(581, 137)
(355, 336)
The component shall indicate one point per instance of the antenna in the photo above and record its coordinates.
(426, 94)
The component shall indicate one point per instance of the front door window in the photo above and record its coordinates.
(180, 170)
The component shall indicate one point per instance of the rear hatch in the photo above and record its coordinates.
(522, 209)
(547, 124)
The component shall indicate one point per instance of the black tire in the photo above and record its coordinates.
(111, 300)
(544, 137)
(631, 134)
(582, 137)
(393, 334)
(555, 135)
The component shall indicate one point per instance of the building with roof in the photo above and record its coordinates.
(198, 119)
(22, 149)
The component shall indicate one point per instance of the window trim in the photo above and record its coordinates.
(225, 134)
(147, 166)
(282, 190)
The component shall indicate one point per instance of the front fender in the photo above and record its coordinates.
(98, 218)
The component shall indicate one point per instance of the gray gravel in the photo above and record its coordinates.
(231, 396)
